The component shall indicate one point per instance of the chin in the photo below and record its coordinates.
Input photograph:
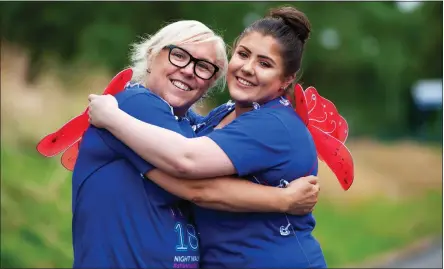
(181, 104)
(238, 96)
(176, 103)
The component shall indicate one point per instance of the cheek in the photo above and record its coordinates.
(204, 86)
(269, 77)
(165, 68)
(231, 71)
(170, 69)
(270, 83)
(234, 64)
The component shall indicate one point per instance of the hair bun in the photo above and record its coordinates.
(294, 18)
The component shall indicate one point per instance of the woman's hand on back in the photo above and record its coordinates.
(101, 109)
(302, 195)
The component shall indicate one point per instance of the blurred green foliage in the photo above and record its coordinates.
(364, 56)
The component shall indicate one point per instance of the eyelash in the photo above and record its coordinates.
(244, 55)
(265, 64)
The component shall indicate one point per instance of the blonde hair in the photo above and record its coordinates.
(177, 33)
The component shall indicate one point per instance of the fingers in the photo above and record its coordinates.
(312, 179)
(89, 116)
(91, 97)
(314, 193)
(303, 211)
(316, 187)
(308, 210)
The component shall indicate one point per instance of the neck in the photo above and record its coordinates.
(240, 109)
(180, 111)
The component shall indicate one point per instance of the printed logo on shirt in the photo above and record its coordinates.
(284, 230)
(186, 262)
(198, 126)
(186, 237)
(187, 240)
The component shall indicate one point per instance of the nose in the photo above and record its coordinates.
(248, 68)
(188, 70)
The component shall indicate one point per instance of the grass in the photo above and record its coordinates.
(356, 232)
(36, 217)
(35, 211)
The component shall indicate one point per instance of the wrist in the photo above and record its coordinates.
(114, 118)
(285, 200)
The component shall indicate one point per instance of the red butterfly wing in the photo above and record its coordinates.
(315, 110)
(324, 115)
(301, 103)
(69, 157)
(329, 131)
(118, 82)
(336, 155)
(341, 130)
(57, 142)
(60, 140)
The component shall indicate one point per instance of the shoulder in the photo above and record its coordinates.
(271, 121)
(141, 96)
(219, 110)
(214, 116)
(286, 116)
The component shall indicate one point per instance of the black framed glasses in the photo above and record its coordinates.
(182, 58)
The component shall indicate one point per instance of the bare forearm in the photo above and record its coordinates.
(224, 193)
(229, 194)
(178, 155)
(133, 133)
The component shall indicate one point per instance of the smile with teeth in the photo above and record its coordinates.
(244, 82)
(181, 85)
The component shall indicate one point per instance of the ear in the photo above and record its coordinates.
(288, 80)
(148, 55)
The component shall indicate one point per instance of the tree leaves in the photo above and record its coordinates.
(362, 55)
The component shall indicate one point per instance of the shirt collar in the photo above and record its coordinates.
(256, 106)
(178, 118)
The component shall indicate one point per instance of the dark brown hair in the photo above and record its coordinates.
(290, 27)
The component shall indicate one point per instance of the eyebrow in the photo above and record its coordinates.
(260, 56)
(199, 58)
(203, 58)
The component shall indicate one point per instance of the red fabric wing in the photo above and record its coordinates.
(329, 131)
(301, 103)
(341, 129)
(322, 113)
(69, 157)
(118, 82)
(336, 155)
(70, 132)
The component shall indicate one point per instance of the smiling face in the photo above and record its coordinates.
(180, 87)
(255, 72)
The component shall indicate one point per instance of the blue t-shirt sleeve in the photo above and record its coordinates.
(147, 108)
(254, 142)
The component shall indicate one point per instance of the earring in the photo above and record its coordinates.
(148, 71)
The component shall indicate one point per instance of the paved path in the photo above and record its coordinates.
(431, 257)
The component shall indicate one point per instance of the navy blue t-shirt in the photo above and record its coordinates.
(120, 219)
(269, 145)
